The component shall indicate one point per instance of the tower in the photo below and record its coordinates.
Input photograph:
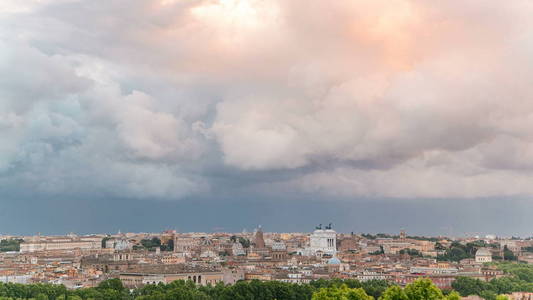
(259, 240)
(402, 234)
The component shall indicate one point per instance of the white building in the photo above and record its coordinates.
(22, 279)
(280, 246)
(322, 241)
(237, 249)
(119, 244)
(37, 244)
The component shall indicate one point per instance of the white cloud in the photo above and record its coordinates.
(359, 98)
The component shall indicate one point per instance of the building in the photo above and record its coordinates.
(259, 241)
(237, 249)
(521, 296)
(335, 265)
(483, 255)
(185, 243)
(432, 270)
(322, 242)
(21, 279)
(38, 244)
(279, 246)
(136, 280)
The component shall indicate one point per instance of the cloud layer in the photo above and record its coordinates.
(171, 99)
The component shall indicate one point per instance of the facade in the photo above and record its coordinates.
(185, 244)
(278, 246)
(173, 259)
(430, 270)
(119, 244)
(237, 249)
(322, 242)
(54, 244)
(22, 279)
(135, 280)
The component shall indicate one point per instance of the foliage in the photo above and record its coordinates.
(368, 236)
(453, 296)
(508, 254)
(469, 286)
(104, 240)
(372, 287)
(379, 235)
(411, 252)
(420, 289)
(489, 290)
(113, 284)
(341, 293)
(394, 293)
(519, 270)
(23, 291)
(378, 252)
(458, 251)
(10, 245)
(424, 238)
(349, 289)
(154, 243)
(423, 289)
(527, 249)
(169, 246)
(439, 246)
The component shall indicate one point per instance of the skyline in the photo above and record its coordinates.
(371, 114)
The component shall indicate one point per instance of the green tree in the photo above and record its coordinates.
(244, 242)
(453, 296)
(41, 296)
(104, 240)
(467, 286)
(10, 245)
(341, 293)
(508, 254)
(423, 289)
(373, 288)
(488, 295)
(112, 284)
(394, 293)
(411, 252)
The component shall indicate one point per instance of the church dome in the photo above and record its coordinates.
(334, 261)
(483, 252)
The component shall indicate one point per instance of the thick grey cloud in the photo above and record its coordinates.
(171, 99)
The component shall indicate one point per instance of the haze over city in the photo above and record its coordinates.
(376, 115)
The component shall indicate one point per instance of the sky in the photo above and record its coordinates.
(211, 115)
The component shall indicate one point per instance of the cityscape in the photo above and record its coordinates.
(266, 150)
(140, 260)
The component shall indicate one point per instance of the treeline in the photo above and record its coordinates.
(392, 236)
(10, 245)
(519, 279)
(181, 290)
(154, 243)
(336, 289)
(488, 290)
(521, 271)
(379, 236)
(458, 251)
